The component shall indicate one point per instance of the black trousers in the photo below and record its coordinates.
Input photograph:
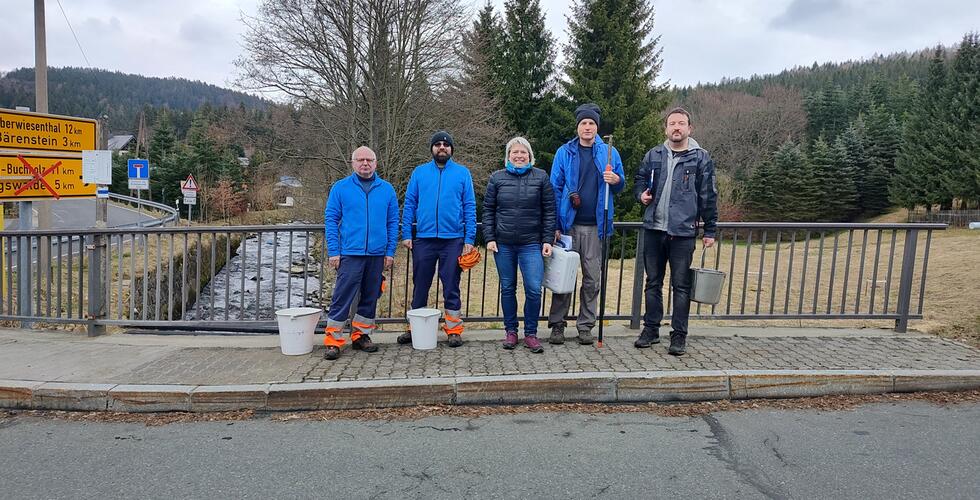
(659, 249)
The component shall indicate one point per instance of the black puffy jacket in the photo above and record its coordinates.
(519, 209)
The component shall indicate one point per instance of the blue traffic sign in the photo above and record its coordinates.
(139, 168)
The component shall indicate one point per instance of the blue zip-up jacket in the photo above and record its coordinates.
(361, 223)
(441, 202)
(564, 180)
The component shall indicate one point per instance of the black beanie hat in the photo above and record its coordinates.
(442, 135)
(588, 110)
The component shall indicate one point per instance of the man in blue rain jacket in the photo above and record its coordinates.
(579, 174)
(441, 203)
(361, 226)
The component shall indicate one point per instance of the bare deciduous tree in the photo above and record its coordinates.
(742, 130)
(358, 72)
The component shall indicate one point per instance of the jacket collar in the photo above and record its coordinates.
(354, 178)
(449, 163)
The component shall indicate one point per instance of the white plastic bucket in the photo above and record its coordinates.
(296, 328)
(425, 324)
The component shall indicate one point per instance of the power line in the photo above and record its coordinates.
(80, 49)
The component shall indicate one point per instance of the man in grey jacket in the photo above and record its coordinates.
(676, 183)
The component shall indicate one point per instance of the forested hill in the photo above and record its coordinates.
(913, 66)
(94, 92)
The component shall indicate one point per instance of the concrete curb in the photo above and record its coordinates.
(599, 387)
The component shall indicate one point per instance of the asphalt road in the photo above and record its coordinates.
(75, 214)
(901, 450)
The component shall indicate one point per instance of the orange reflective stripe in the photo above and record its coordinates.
(329, 339)
(355, 335)
(454, 320)
(362, 326)
(456, 330)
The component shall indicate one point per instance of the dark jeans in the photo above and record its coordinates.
(531, 263)
(425, 253)
(659, 248)
(356, 274)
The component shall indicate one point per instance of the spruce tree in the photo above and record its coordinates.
(961, 135)
(760, 199)
(921, 163)
(834, 189)
(857, 161)
(526, 74)
(613, 60)
(876, 198)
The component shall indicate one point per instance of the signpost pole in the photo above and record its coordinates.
(96, 265)
(25, 221)
(44, 218)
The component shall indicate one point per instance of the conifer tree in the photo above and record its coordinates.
(613, 60)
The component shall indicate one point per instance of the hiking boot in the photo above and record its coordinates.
(510, 341)
(455, 340)
(405, 338)
(363, 343)
(557, 335)
(678, 344)
(331, 353)
(648, 337)
(585, 337)
(532, 343)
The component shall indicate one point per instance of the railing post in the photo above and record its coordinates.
(636, 306)
(96, 263)
(905, 287)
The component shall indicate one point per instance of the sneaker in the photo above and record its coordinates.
(532, 343)
(331, 353)
(510, 341)
(678, 344)
(585, 337)
(363, 343)
(405, 338)
(557, 335)
(455, 340)
(648, 337)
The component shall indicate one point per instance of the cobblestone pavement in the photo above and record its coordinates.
(619, 355)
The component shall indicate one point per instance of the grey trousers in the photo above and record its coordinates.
(585, 241)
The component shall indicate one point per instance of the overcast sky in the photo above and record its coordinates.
(702, 40)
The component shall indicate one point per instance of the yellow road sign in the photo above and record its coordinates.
(36, 177)
(26, 131)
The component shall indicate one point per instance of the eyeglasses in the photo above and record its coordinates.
(362, 160)
(442, 144)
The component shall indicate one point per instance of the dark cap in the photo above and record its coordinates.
(588, 110)
(442, 135)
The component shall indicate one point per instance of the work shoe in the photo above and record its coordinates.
(510, 341)
(585, 337)
(648, 337)
(557, 335)
(678, 344)
(363, 343)
(532, 343)
(455, 340)
(331, 353)
(405, 338)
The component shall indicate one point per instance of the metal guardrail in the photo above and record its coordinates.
(171, 212)
(234, 278)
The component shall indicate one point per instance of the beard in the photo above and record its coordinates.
(441, 157)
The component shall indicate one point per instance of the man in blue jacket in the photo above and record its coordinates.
(579, 174)
(676, 183)
(361, 225)
(441, 203)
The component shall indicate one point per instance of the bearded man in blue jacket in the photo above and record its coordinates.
(440, 203)
(581, 170)
(361, 227)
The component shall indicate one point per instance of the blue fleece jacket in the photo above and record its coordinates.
(564, 180)
(361, 223)
(441, 202)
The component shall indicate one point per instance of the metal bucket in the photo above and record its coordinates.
(706, 285)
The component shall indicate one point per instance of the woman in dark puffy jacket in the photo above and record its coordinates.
(519, 227)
